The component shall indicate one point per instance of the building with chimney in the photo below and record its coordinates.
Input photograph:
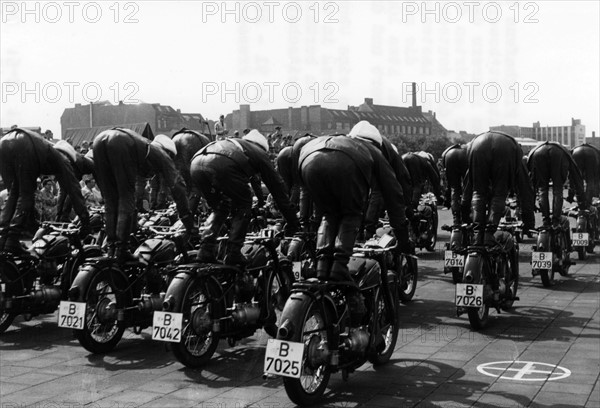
(569, 136)
(390, 120)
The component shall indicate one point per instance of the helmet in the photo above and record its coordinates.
(256, 137)
(364, 130)
(166, 143)
(90, 155)
(65, 148)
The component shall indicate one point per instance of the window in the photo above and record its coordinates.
(427, 131)
(386, 128)
(420, 130)
(403, 129)
(329, 125)
(338, 125)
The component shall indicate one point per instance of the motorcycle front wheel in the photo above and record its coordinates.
(101, 332)
(387, 322)
(7, 275)
(309, 388)
(199, 341)
(407, 280)
(432, 240)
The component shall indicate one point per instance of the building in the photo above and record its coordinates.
(390, 120)
(569, 136)
(161, 118)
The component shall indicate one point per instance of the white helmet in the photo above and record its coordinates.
(256, 137)
(65, 147)
(166, 143)
(364, 130)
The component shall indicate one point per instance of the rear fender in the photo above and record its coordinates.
(296, 308)
(543, 242)
(80, 286)
(181, 282)
(473, 272)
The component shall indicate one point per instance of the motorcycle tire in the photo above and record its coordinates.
(512, 286)
(479, 317)
(432, 240)
(102, 334)
(564, 254)
(309, 388)
(197, 346)
(7, 275)
(407, 282)
(582, 253)
(387, 320)
(280, 286)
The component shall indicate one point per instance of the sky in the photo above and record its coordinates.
(476, 63)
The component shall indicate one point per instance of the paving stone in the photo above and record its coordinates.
(560, 399)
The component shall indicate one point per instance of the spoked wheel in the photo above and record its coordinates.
(511, 279)
(564, 255)
(387, 322)
(6, 290)
(479, 316)
(430, 246)
(198, 339)
(280, 285)
(407, 280)
(101, 332)
(309, 388)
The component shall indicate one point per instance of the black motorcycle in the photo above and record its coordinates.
(424, 230)
(456, 250)
(316, 339)
(585, 232)
(36, 282)
(208, 302)
(490, 279)
(110, 297)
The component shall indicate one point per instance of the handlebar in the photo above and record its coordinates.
(62, 227)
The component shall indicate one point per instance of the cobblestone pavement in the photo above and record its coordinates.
(435, 363)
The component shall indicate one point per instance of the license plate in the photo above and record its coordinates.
(469, 295)
(580, 239)
(297, 270)
(167, 326)
(541, 260)
(71, 315)
(452, 259)
(284, 358)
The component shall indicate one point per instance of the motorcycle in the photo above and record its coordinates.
(490, 279)
(106, 298)
(37, 281)
(424, 232)
(456, 250)
(207, 302)
(315, 338)
(550, 253)
(585, 232)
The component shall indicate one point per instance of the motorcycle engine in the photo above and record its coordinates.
(246, 313)
(47, 270)
(357, 340)
(245, 288)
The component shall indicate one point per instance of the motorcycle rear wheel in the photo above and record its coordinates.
(101, 335)
(280, 286)
(197, 346)
(309, 388)
(479, 316)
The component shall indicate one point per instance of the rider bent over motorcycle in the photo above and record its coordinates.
(338, 172)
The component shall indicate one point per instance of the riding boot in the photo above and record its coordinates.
(325, 248)
(237, 234)
(208, 246)
(344, 245)
(14, 246)
(124, 226)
